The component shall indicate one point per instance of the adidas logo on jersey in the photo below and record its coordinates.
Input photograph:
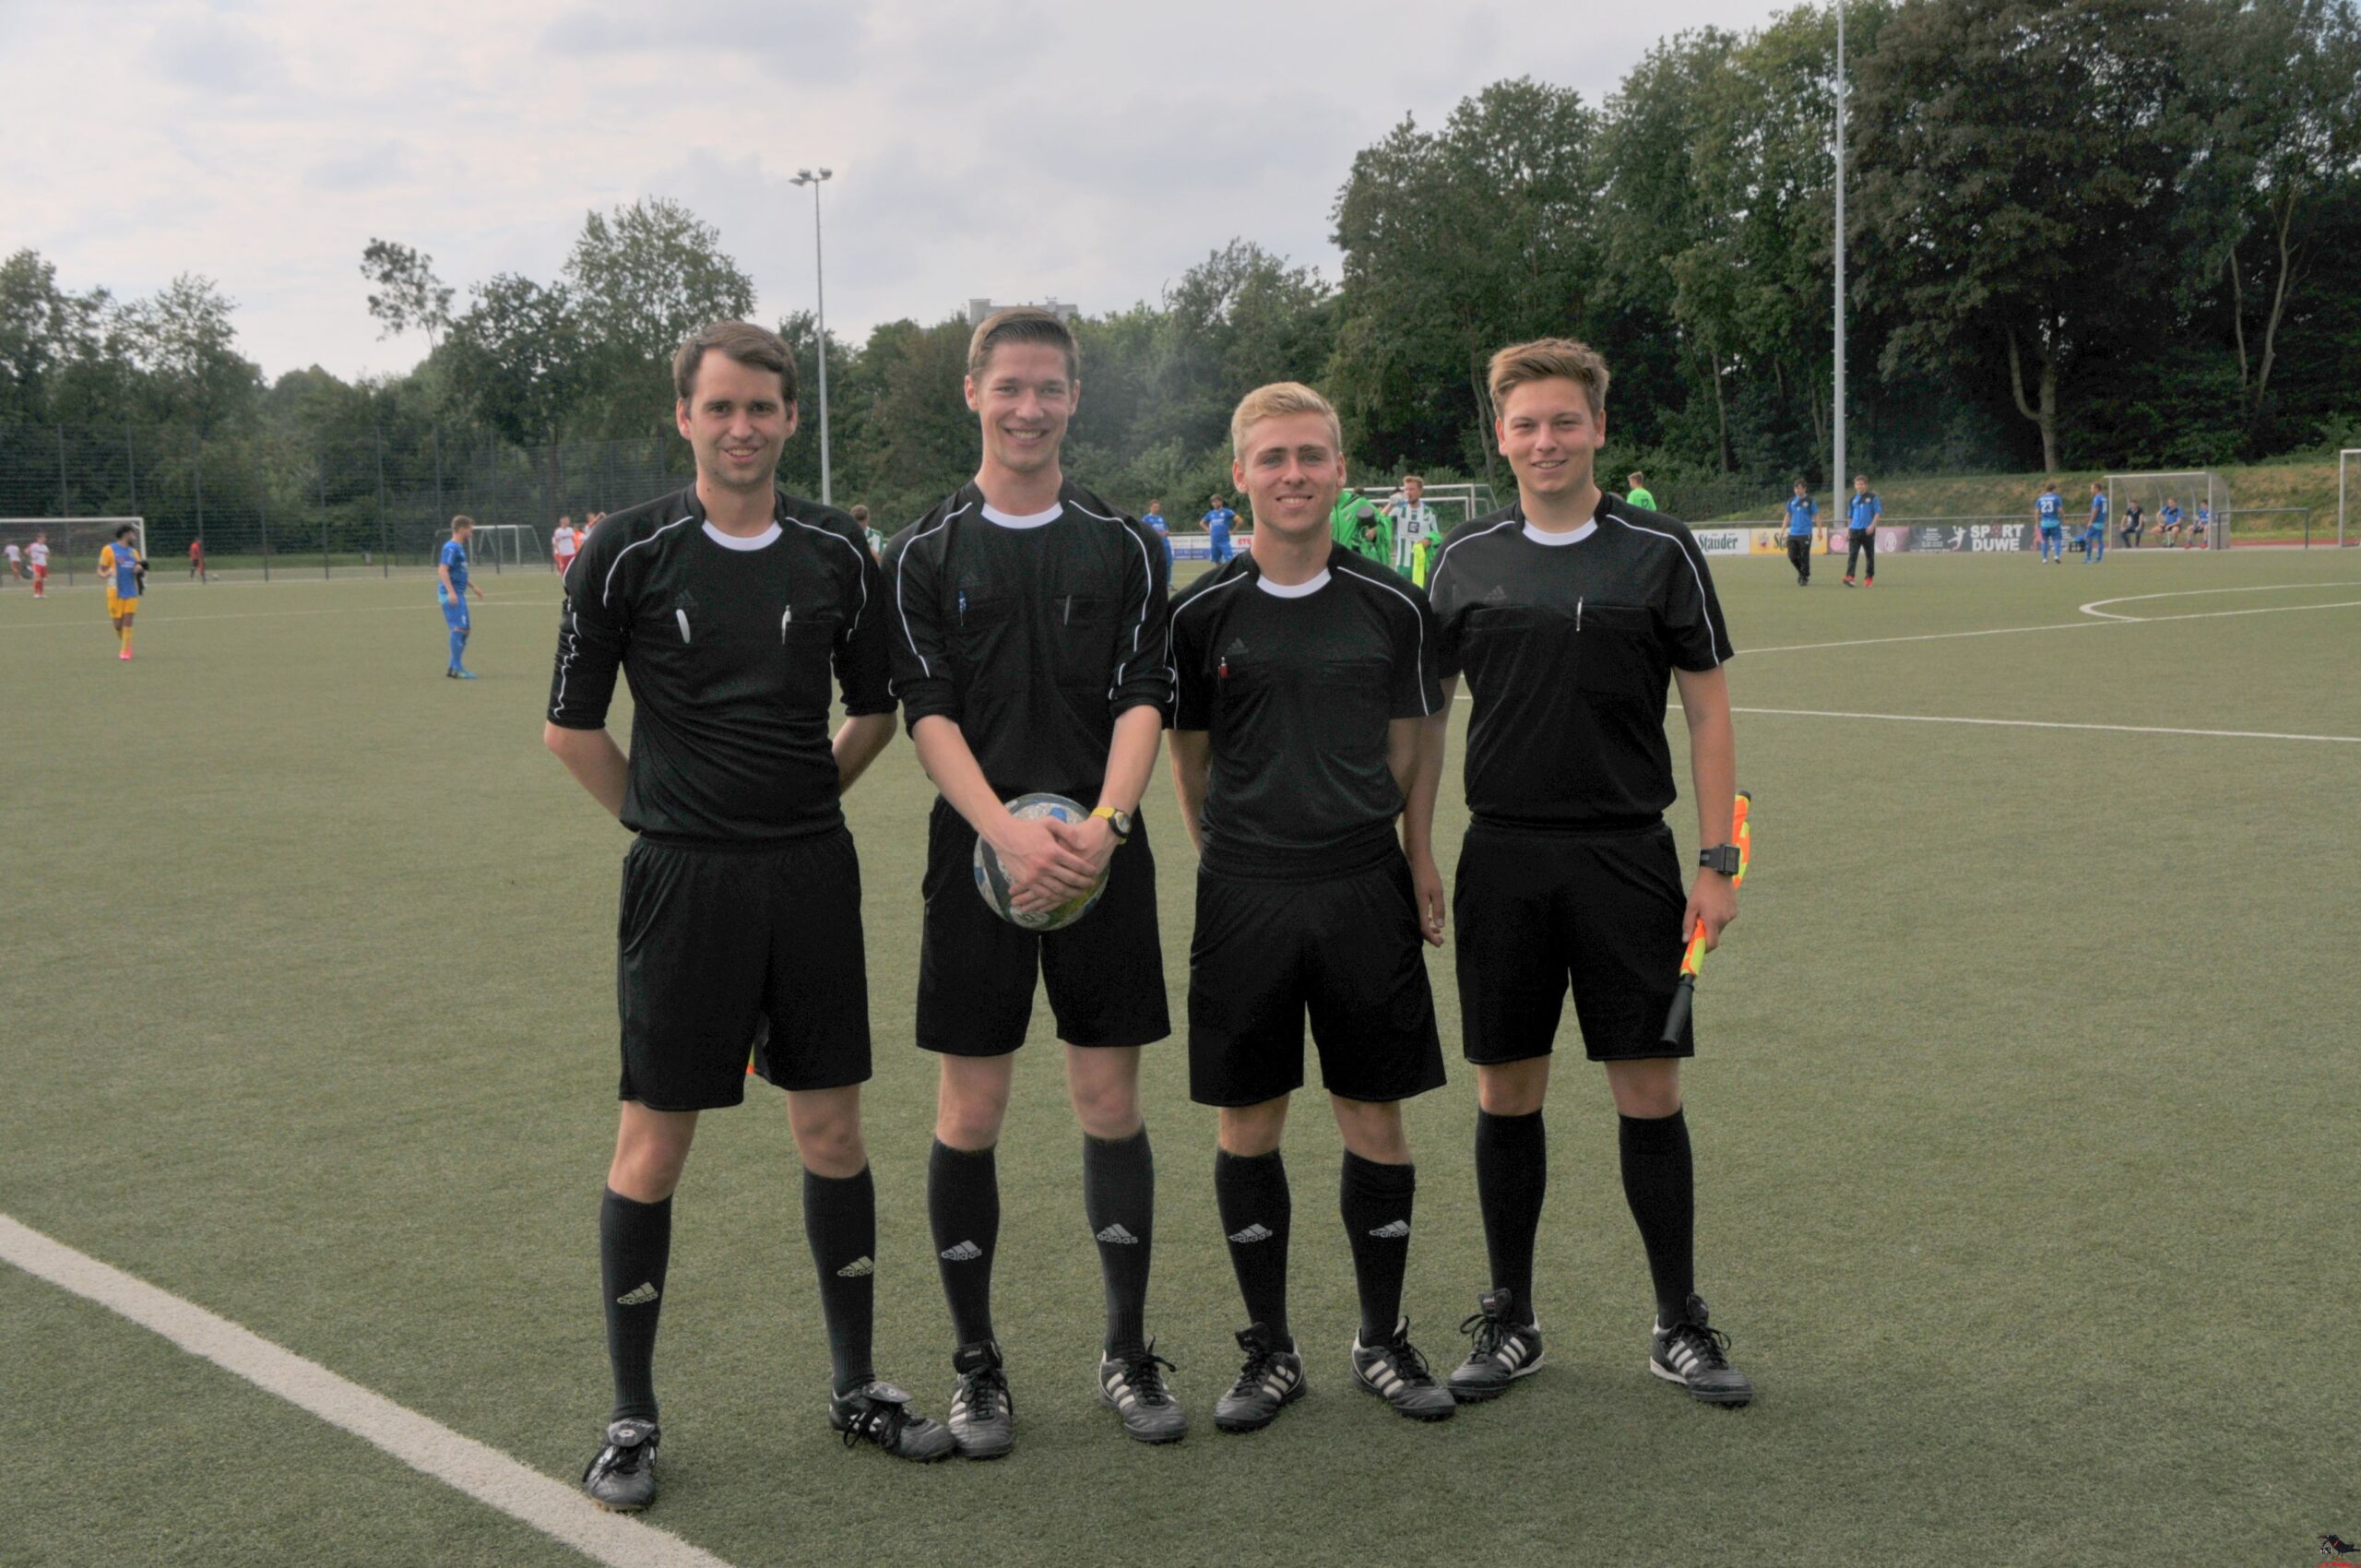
(639, 1297)
(1392, 1230)
(1237, 645)
(855, 1268)
(1251, 1235)
(1116, 1236)
(1498, 596)
(964, 1252)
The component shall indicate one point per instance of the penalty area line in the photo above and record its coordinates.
(2098, 619)
(427, 1446)
(2049, 724)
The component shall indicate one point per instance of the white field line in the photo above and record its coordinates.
(2049, 724)
(147, 621)
(2069, 625)
(483, 1473)
(2097, 606)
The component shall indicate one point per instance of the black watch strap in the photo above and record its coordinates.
(1723, 858)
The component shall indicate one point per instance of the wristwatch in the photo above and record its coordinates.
(1118, 820)
(1721, 858)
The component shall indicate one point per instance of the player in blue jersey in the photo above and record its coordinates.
(2049, 508)
(1862, 539)
(2094, 535)
(451, 591)
(1802, 510)
(2168, 522)
(125, 572)
(1219, 522)
(2200, 532)
(1155, 519)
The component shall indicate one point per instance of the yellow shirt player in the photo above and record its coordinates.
(125, 572)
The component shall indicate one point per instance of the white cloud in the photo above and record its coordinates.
(1009, 148)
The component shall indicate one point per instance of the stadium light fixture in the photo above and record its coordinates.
(820, 299)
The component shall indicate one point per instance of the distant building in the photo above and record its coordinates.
(978, 308)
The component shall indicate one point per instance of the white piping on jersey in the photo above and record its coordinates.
(607, 589)
(745, 543)
(902, 566)
(1173, 629)
(1415, 619)
(1558, 540)
(1139, 622)
(1704, 602)
(859, 574)
(566, 664)
(1434, 573)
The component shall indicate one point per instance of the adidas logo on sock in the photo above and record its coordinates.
(1116, 1236)
(1251, 1235)
(1497, 596)
(855, 1269)
(640, 1297)
(1236, 645)
(1392, 1230)
(965, 1251)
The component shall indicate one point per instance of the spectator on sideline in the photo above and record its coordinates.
(1155, 519)
(1414, 520)
(2168, 522)
(1801, 513)
(2134, 522)
(876, 540)
(564, 544)
(1218, 521)
(1639, 495)
(15, 563)
(1862, 538)
(1357, 525)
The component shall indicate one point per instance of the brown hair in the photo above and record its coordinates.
(1281, 397)
(462, 521)
(740, 340)
(1544, 358)
(1023, 323)
(861, 514)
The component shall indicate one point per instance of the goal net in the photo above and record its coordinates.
(2188, 509)
(74, 544)
(497, 545)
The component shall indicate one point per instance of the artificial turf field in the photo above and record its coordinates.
(2024, 1115)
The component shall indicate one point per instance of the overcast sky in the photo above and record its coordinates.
(1004, 148)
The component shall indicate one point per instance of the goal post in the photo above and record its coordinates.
(2203, 496)
(2348, 491)
(74, 543)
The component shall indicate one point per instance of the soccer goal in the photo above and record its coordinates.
(510, 544)
(1453, 504)
(2202, 498)
(72, 542)
(2348, 490)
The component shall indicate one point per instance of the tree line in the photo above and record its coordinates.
(2080, 233)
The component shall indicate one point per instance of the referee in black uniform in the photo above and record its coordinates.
(1567, 612)
(1307, 681)
(1030, 654)
(725, 604)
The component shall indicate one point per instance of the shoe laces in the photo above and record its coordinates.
(987, 1391)
(1711, 1343)
(1146, 1381)
(1258, 1367)
(1408, 1363)
(1490, 1331)
(881, 1420)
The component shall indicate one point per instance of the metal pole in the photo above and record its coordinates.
(197, 451)
(262, 515)
(64, 498)
(434, 439)
(131, 465)
(1838, 479)
(820, 298)
(324, 512)
(379, 432)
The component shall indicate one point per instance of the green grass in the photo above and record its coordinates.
(2023, 1119)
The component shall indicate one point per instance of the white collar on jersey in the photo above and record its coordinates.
(1009, 520)
(762, 540)
(1292, 591)
(1572, 536)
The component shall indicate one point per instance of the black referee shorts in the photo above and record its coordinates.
(1344, 949)
(976, 970)
(1539, 911)
(722, 951)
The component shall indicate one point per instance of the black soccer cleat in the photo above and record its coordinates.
(1271, 1380)
(1693, 1354)
(622, 1479)
(1504, 1350)
(880, 1413)
(1395, 1372)
(1133, 1385)
(982, 1416)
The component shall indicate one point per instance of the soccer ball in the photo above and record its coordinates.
(991, 881)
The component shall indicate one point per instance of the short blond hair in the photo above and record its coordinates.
(1023, 323)
(1543, 359)
(1279, 398)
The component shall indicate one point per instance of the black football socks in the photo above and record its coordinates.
(1512, 1177)
(1119, 1196)
(1660, 1184)
(963, 1204)
(1257, 1211)
(635, 1241)
(840, 1223)
(1375, 1200)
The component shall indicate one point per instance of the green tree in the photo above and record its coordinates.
(518, 359)
(44, 331)
(651, 274)
(408, 297)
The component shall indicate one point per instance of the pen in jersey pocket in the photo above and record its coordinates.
(963, 606)
(682, 617)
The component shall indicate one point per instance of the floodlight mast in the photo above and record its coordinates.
(1837, 479)
(820, 299)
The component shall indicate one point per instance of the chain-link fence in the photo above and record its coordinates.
(264, 504)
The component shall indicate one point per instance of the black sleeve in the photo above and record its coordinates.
(1695, 636)
(920, 657)
(1143, 665)
(864, 648)
(1193, 695)
(1418, 672)
(590, 637)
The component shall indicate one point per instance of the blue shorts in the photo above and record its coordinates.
(2052, 527)
(455, 614)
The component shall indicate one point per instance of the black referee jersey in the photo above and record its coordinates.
(1032, 634)
(1568, 642)
(728, 644)
(1297, 685)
